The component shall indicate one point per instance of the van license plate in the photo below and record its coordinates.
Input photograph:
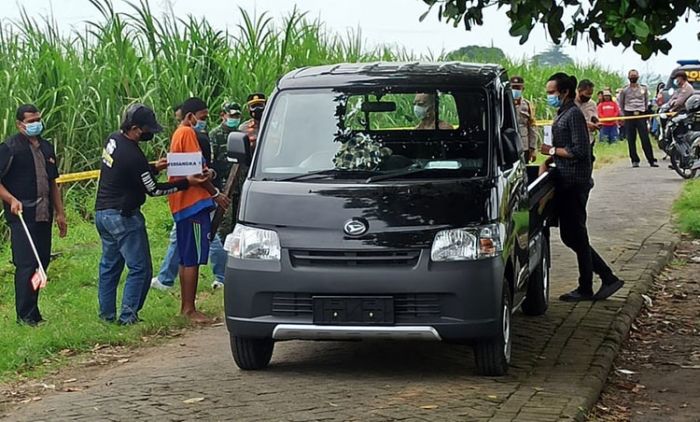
(353, 310)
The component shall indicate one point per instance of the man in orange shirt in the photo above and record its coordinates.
(191, 209)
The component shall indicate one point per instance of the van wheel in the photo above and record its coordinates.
(492, 355)
(251, 353)
(537, 298)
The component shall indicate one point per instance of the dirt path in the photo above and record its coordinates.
(657, 375)
(560, 360)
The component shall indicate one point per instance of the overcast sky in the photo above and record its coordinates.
(385, 22)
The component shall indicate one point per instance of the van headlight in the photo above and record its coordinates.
(468, 243)
(252, 243)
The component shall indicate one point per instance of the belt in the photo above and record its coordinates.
(633, 113)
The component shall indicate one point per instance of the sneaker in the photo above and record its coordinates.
(156, 284)
(576, 296)
(635, 165)
(653, 164)
(607, 290)
(217, 285)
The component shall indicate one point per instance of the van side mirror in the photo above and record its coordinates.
(238, 148)
(510, 141)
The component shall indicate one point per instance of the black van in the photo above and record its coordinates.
(387, 200)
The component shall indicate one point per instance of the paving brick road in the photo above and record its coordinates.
(560, 360)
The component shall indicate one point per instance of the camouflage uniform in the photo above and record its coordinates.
(220, 164)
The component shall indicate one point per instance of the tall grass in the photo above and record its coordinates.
(82, 81)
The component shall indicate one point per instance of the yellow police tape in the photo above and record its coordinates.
(610, 119)
(77, 177)
(94, 174)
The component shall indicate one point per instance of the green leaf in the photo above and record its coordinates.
(638, 27)
(643, 50)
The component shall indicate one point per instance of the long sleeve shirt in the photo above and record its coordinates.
(569, 131)
(126, 177)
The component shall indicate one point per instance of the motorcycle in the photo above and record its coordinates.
(678, 139)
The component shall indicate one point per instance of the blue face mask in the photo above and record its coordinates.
(232, 122)
(200, 126)
(34, 129)
(517, 93)
(553, 100)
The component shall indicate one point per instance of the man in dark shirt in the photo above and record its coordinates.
(126, 178)
(571, 153)
(28, 174)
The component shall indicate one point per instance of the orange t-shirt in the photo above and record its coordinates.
(195, 199)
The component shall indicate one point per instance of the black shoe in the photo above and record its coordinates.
(576, 296)
(609, 289)
(653, 164)
(635, 165)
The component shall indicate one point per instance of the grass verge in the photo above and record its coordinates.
(687, 209)
(69, 302)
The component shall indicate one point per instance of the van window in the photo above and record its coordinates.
(354, 135)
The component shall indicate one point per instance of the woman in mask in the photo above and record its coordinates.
(424, 109)
(571, 152)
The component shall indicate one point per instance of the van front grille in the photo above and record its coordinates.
(325, 258)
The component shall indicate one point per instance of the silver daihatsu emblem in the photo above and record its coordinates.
(355, 228)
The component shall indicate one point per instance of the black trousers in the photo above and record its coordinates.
(26, 299)
(571, 206)
(634, 127)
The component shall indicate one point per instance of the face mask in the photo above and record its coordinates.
(517, 93)
(34, 129)
(200, 126)
(553, 100)
(634, 80)
(257, 112)
(146, 136)
(420, 111)
(232, 122)
(678, 82)
(584, 99)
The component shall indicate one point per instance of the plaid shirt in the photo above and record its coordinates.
(569, 131)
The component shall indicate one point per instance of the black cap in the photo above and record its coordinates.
(142, 116)
(256, 98)
(517, 80)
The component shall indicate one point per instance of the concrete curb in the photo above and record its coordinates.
(619, 330)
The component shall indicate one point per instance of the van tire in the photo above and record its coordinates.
(251, 353)
(492, 355)
(537, 298)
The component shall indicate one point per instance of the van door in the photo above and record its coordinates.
(515, 200)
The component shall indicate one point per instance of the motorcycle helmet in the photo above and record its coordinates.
(692, 104)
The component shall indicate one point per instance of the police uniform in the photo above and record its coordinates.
(27, 172)
(633, 101)
(525, 115)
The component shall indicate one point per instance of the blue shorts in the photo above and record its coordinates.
(193, 239)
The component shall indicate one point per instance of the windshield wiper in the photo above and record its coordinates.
(398, 173)
(322, 173)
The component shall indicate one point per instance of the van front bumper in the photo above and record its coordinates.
(451, 301)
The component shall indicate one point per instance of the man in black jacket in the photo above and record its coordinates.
(126, 178)
(28, 173)
(571, 152)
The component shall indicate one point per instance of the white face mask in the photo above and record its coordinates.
(420, 111)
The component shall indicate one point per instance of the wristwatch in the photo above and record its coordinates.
(553, 151)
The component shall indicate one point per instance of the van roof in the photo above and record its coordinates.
(392, 73)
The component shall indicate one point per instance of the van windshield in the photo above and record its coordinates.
(359, 134)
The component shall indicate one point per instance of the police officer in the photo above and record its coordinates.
(526, 118)
(633, 100)
(683, 91)
(28, 174)
(256, 106)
